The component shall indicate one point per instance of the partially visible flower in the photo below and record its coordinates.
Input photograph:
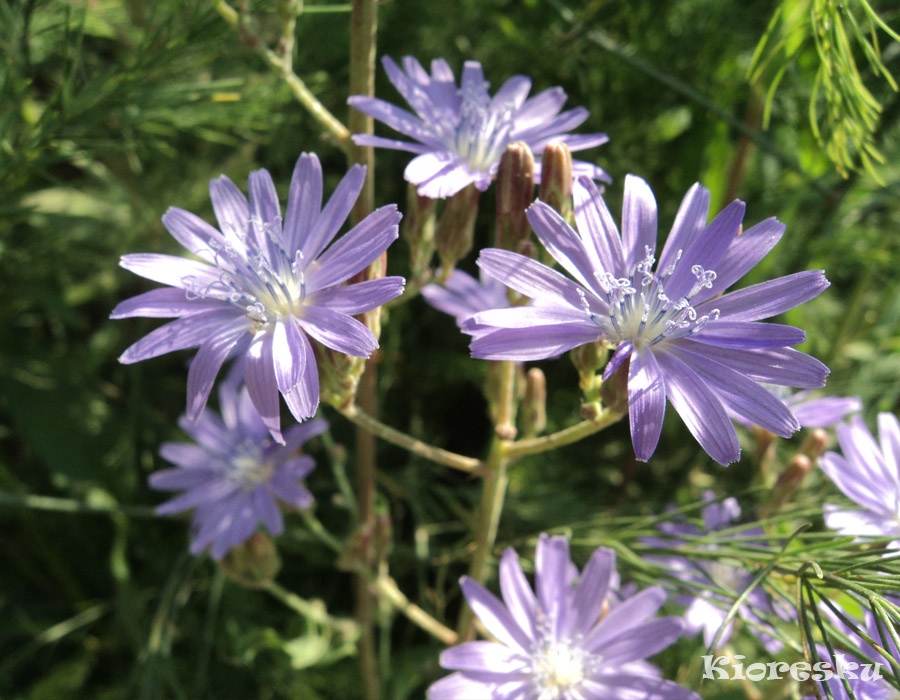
(821, 411)
(233, 474)
(707, 609)
(563, 642)
(869, 475)
(460, 133)
(675, 332)
(462, 295)
(846, 668)
(264, 285)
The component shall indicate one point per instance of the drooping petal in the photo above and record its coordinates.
(262, 385)
(700, 409)
(303, 399)
(207, 362)
(646, 403)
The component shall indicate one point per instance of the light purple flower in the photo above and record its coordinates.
(706, 610)
(462, 295)
(821, 411)
(862, 680)
(564, 642)
(233, 474)
(869, 475)
(686, 341)
(460, 133)
(264, 285)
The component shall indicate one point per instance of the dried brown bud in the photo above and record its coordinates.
(788, 483)
(556, 178)
(515, 193)
(534, 407)
(254, 563)
(815, 444)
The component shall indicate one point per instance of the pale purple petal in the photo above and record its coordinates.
(167, 302)
(338, 331)
(597, 231)
(333, 215)
(625, 616)
(646, 403)
(749, 335)
(528, 316)
(187, 332)
(360, 297)
(770, 298)
(262, 386)
(483, 656)
(265, 212)
(197, 236)
(700, 409)
(563, 243)
(782, 366)
(517, 594)
(495, 617)
(392, 144)
(537, 343)
(823, 412)
(638, 221)
(689, 222)
(196, 277)
(295, 369)
(231, 209)
(355, 249)
(207, 362)
(304, 202)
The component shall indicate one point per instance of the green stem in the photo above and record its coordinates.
(69, 505)
(313, 610)
(411, 444)
(301, 92)
(388, 590)
(566, 436)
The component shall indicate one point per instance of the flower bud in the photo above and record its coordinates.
(418, 232)
(589, 358)
(534, 407)
(788, 483)
(515, 193)
(614, 391)
(338, 376)
(456, 228)
(254, 563)
(556, 178)
(815, 444)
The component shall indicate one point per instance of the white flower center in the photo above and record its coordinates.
(245, 466)
(483, 131)
(266, 283)
(558, 666)
(641, 312)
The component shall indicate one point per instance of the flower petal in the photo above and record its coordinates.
(517, 594)
(534, 343)
(781, 366)
(527, 316)
(207, 362)
(495, 617)
(769, 298)
(182, 333)
(167, 302)
(193, 233)
(639, 221)
(700, 409)
(483, 656)
(597, 230)
(646, 403)
(333, 215)
(355, 249)
(338, 331)
(689, 222)
(749, 335)
(358, 298)
(626, 615)
(196, 277)
(564, 244)
(304, 202)
(231, 209)
(262, 386)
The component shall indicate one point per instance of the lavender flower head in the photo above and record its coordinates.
(675, 332)
(462, 295)
(233, 474)
(869, 474)
(563, 642)
(460, 133)
(263, 285)
(706, 610)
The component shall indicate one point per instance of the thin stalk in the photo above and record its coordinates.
(566, 436)
(494, 490)
(363, 28)
(411, 444)
(301, 92)
(313, 610)
(388, 590)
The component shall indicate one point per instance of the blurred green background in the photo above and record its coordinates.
(110, 112)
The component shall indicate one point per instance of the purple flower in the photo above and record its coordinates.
(686, 340)
(462, 295)
(564, 642)
(264, 285)
(869, 475)
(460, 134)
(865, 682)
(233, 474)
(823, 411)
(707, 609)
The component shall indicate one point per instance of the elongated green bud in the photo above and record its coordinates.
(254, 563)
(418, 232)
(515, 193)
(456, 228)
(534, 406)
(556, 178)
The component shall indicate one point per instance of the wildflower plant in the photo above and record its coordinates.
(304, 321)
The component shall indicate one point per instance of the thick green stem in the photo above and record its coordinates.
(411, 444)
